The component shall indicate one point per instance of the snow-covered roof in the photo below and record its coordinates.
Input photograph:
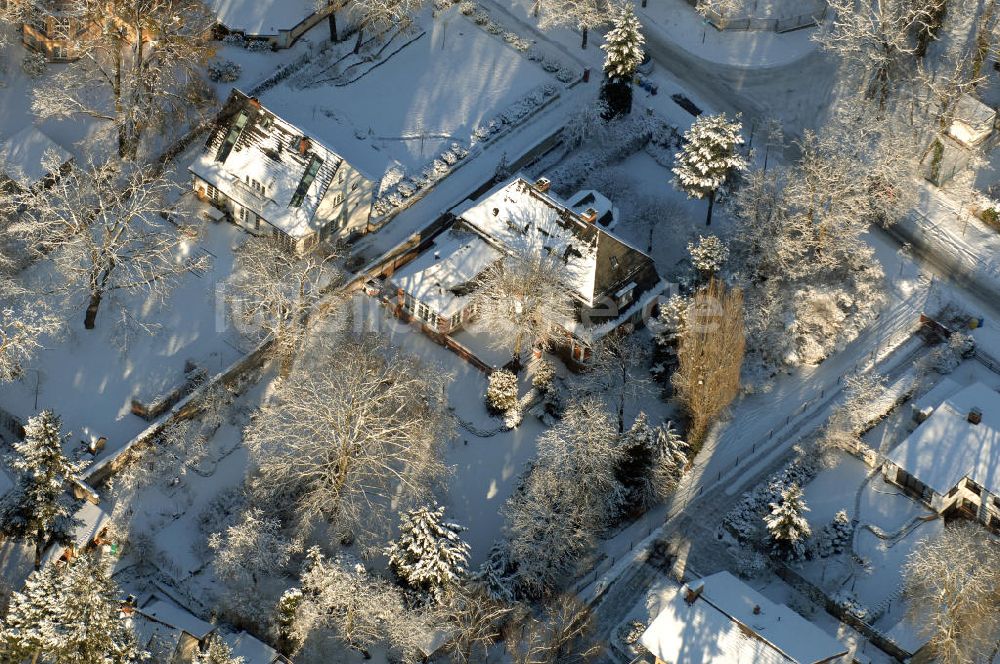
(973, 121)
(159, 640)
(22, 154)
(454, 260)
(581, 201)
(91, 519)
(524, 220)
(164, 611)
(721, 627)
(275, 154)
(261, 17)
(947, 447)
(252, 650)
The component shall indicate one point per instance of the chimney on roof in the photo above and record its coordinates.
(543, 184)
(496, 212)
(254, 102)
(756, 609)
(437, 255)
(975, 416)
(694, 591)
(589, 215)
(304, 145)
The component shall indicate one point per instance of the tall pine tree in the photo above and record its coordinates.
(71, 615)
(430, 554)
(623, 54)
(708, 157)
(653, 460)
(39, 507)
(788, 528)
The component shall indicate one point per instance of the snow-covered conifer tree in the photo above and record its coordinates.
(672, 458)
(430, 554)
(39, 507)
(70, 614)
(623, 44)
(788, 528)
(708, 255)
(623, 48)
(708, 157)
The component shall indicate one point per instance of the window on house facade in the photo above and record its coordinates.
(255, 185)
(456, 320)
(338, 199)
(213, 193)
(408, 303)
(624, 297)
(60, 52)
(60, 27)
(972, 487)
(340, 178)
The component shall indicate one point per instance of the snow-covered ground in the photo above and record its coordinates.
(416, 102)
(261, 18)
(89, 377)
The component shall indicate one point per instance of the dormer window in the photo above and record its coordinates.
(255, 185)
(232, 136)
(307, 179)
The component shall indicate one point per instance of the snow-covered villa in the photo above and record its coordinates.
(612, 282)
(718, 619)
(278, 23)
(951, 461)
(274, 179)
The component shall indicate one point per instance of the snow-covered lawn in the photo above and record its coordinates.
(883, 506)
(89, 377)
(415, 103)
(485, 469)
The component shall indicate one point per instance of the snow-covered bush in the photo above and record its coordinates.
(442, 5)
(224, 71)
(468, 7)
(946, 357)
(513, 417)
(234, 39)
(542, 373)
(630, 632)
(751, 564)
(745, 519)
(566, 75)
(709, 254)
(258, 45)
(493, 28)
(407, 188)
(835, 538)
(34, 64)
(481, 18)
(221, 511)
(850, 603)
(501, 394)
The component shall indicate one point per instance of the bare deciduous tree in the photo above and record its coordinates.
(710, 357)
(566, 499)
(612, 374)
(341, 599)
(272, 291)
(875, 39)
(382, 16)
(523, 301)
(25, 320)
(357, 430)
(951, 585)
(138, 68)
(582, 15)
(475, 619)
(563, 635)
(102, 229)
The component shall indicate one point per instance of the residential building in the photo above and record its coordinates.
(252, 650)
(169, 632)
(56, 28)
(720, 620)
(951, 461)
(280, 22)
(23, 159)
(273, 179)
(610, 281)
